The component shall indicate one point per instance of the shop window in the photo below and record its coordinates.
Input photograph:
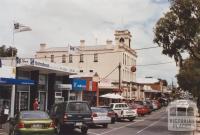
(63, 58)
(95, 57)
(70, 58)
(52, 58)
(81, 57)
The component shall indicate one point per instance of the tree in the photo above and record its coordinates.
(189, 76)
(7, 52)
(178, 32)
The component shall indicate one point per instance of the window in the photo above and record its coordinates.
(81, 71)
(70, 58)
(91, 71)
(52, 58)
(81, 57)
(123, 58)
(63, 58)
(95, 57)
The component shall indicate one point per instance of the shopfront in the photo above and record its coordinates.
(48, 77)
(90, 93)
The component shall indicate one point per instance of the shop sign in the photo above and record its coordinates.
(65, 86)
(91, 86)
(78, 84)
(7, 72)
(16, 81)
(44, 64)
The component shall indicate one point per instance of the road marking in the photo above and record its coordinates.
(150, 125)
(114, 129)
(136, 121)
(93, 133)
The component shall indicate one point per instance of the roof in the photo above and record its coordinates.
(55, 49)
(85, 48)
(147, 80)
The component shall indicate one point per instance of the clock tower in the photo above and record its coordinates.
(123, 38)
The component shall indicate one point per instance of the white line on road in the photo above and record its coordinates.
(150, 125)
(136, 121)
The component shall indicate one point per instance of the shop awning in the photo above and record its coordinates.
(112, 96)
(152, 91)
(16, 81)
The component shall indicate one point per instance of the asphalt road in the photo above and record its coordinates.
(154, 124)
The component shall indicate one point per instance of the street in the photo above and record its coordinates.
(154, 124)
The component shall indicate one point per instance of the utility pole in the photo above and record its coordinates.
(119, 67)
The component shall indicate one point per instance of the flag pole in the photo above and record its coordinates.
(12, 103)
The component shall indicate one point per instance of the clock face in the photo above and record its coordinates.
(121, 40)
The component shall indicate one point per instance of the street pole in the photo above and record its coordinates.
(119, 67)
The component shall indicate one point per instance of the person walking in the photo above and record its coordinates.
(35, 105)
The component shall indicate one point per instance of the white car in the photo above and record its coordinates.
(122, 111)
(100, 116)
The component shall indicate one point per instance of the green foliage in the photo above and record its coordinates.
(178, 31)
(7, 52)
(189, 76)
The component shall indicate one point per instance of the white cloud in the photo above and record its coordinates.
(59, 22)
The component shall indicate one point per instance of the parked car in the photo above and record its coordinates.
(32, 122)
(157, 103)
(144, 106)
(100, 117)
(122, 111)
(70, 115)
(111, 113)
(141, 110)
(149, 104)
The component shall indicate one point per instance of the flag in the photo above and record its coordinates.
(21, 28)
(72, 49)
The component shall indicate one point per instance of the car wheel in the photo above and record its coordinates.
(105, 125)
(131, 119)
(59, 129)
(84, 130)
(113, 121)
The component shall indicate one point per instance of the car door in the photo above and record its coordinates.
(117, 109)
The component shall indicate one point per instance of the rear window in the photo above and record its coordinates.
(78, 107)
(34, 115)
(101, 110)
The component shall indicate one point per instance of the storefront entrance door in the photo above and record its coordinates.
(23, 100)
(42, 100)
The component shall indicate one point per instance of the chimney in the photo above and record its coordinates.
(82, 43)
(42, 46)
(109, 42)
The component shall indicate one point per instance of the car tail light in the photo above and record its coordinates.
(20, 125)
(52, 125)
(65, 116)
(110, 114)
(94, 115)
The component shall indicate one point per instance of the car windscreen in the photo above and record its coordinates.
(78, 107)
(34, 115)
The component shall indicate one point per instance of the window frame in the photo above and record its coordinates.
(95, 57)
(52, 58)
(81, 58)
(63, 58)
(70, 58)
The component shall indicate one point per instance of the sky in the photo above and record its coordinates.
(63, 22)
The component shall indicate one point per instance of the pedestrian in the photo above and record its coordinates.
(35, 105)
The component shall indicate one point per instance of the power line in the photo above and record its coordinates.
(109, 73)
(161, 63)
(146, 48)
